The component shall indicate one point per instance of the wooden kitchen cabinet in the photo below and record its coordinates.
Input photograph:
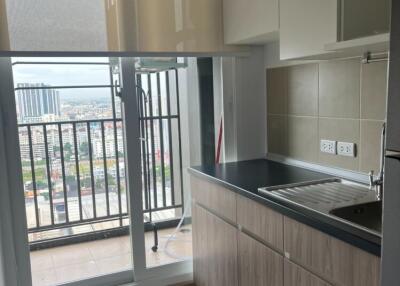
(237, 241)
(297, 276)
(258, 264)
(217, 199)
(241, 28)
(261, 222)
(332, 259)
(214, 250)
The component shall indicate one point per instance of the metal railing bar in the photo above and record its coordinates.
(78, 172)
(103, 139)
(171, 154)
(147, 155)
(161, 125)
(153, 157)
(69, 122)
(63, 172)
(91, 169)
(179, 139)
(142, 101)
(163, 208)
(96, 120)
(158, 117)
(64, 87)
(59, 63)
(77, 223)
(116, 151)
(49, 182)
(94, 220)
(34, 187)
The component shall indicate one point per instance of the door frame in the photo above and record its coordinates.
(14, 231)
(14, 236)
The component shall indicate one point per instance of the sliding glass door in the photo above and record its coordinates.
(101, 168)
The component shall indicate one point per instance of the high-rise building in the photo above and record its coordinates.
(36, 102)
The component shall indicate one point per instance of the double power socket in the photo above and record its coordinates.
(338, 148)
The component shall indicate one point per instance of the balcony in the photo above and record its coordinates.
(50, 266)
(74, 179)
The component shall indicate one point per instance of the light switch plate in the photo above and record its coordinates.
(346, 149)
(328, 146)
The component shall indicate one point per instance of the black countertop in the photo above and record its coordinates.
(246, 177)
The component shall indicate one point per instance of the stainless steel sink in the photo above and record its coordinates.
(368, 215)
(335, 197)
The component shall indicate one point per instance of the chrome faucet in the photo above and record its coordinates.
(378, 182)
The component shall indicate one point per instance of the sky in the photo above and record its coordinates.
(61, 75)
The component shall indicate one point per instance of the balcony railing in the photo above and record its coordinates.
(74, 171)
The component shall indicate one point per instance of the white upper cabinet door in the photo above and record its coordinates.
(306, 26)
(322, 29)
(250, 21)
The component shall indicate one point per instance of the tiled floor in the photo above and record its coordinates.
(74, 262)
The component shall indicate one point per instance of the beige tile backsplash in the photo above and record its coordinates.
(341, 100)
(303, 90)
(339, 88)
(277, 131)
(373, 91)
(302, 138)
(277, 91)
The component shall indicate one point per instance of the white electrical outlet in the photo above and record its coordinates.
(328, 146)
(346, 149)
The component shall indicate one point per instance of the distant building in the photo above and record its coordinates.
(35, 103)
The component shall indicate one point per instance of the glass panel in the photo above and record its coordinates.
(72, 154)
(162, 179)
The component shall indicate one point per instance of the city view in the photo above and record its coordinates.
(72, 157)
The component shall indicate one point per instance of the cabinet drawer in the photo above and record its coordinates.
(264, 223)
(214, 250)
(217, 199)
(297, 276)
(330, 258)
(258, 264)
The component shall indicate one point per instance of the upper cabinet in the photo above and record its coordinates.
(363, 18)
(251, 21)
(306, 26)
(165, 26)
(318, 29)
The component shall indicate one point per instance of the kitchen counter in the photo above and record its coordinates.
(246, 177)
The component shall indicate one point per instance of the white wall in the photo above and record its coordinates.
(190, 123)
(244, 106)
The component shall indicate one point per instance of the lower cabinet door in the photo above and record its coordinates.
(332, 259)
(297, 276)
(258, 264)
(214, 250)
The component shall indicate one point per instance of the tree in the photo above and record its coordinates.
(84, 148)
(68, 147)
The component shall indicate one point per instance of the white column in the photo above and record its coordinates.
(14, 237)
